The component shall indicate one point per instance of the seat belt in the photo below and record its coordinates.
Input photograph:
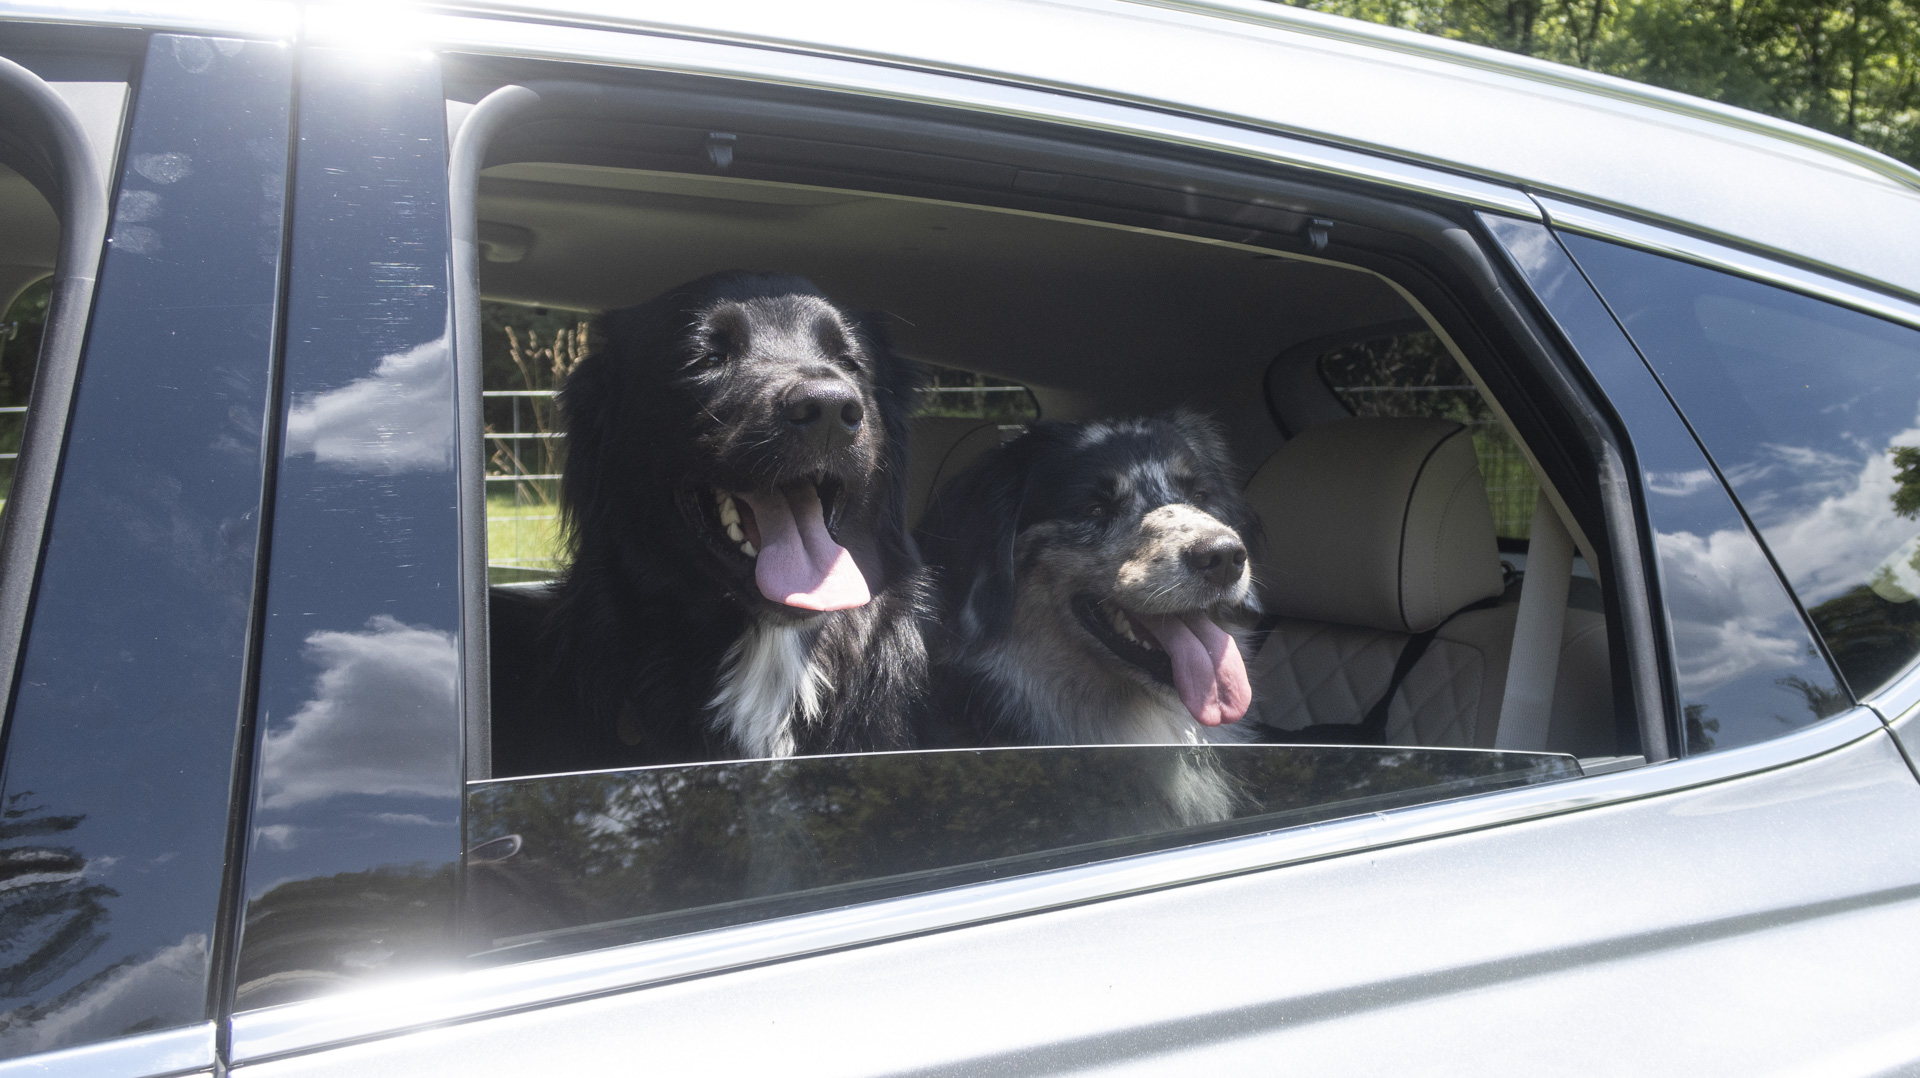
(1372, 729)
(1533, 662)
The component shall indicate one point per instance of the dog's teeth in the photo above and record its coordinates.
(729, 514)
(747, 549)
(734, 533)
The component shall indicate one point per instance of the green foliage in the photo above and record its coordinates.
(1906, 477)
(1848, 68)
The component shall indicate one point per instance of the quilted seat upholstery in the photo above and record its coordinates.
(1379, 528)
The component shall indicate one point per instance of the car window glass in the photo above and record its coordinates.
(1811, 413)
(571, 862)
(1413, 374)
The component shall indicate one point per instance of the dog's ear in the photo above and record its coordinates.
(967, 534)
(896, 389)
(587, 400)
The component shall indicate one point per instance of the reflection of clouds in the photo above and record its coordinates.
(375, 724)
(277, 835)
(376, 423)
(1840, 540)
(1680, 484)
(161, 990)
(1727, 620)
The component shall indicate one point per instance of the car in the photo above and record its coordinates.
(1610, 396)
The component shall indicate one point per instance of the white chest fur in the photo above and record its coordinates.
(768, 688)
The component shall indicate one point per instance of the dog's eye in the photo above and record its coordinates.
(711, 359)
(1095, 511)
(1200, 497)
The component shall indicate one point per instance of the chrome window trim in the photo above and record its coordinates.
(1586, 220)
(528, 40)
(1898, 701)
(395, 1008)
(148, 1055)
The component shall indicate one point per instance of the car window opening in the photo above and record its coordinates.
(1141, 348)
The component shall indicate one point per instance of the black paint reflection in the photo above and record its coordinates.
(565, 863)
(1812, 413)
(1745, 665)
(355, 825)
(119, 759)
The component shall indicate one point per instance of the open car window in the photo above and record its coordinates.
(586, 853)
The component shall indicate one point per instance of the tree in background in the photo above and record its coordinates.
(1851, 69)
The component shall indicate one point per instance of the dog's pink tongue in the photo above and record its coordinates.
(799, 563)
(1207, 669)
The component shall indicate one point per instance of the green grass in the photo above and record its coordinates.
(523, 537)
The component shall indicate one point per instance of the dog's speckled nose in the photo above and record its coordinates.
(826, 413)
(1218, 558)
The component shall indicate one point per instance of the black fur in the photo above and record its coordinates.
(1058, 492)
(684, 394)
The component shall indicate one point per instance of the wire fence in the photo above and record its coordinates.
(524, 540)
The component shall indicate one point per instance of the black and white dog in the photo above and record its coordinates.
(743, 583)
(1090, 574)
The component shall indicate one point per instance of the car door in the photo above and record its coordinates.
(1716, 912)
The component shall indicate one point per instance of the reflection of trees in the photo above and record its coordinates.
(50, 915)
(756, 839)
(1699, 728)
(308, 935)
(1872, 639)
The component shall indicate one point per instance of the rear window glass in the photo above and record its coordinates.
(1811, 412)
(1413, 374)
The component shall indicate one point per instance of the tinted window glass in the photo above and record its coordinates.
(1812, 414)
(119, 755)
(566, 863)
(1413, 374)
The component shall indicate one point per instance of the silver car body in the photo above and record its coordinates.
(1751, 911)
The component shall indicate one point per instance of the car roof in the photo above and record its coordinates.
(1710, 169)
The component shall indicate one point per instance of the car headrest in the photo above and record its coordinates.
(1378, 522)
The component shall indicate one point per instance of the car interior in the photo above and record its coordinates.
(1378, 526)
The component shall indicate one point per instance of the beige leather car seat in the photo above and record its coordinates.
(1378, 529)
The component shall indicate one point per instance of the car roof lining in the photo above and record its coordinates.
(1117, 318)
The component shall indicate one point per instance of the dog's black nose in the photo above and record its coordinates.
(825, 412)
(1218, 558)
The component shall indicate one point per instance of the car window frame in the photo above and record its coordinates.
(82, 205)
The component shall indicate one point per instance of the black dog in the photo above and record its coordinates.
(1087, 571)
(743, 583)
